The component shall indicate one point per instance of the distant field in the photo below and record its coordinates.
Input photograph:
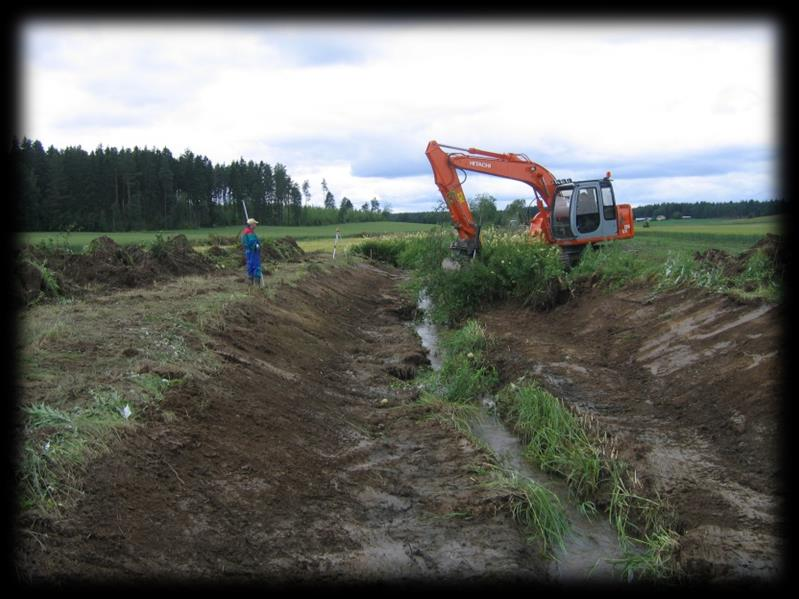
(731, 235)
(309, 238)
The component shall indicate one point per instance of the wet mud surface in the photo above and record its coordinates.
(288, 467)
(691, 387)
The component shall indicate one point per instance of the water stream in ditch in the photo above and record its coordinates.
(590, 543)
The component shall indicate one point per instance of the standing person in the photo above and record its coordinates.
(252, 252)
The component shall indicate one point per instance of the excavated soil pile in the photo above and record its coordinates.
(772, 246)
(285, 248)
(104, 265)
(690, 385)
(107, 265)
(301, 461)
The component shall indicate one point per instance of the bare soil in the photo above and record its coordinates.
(301, 460)
(287, 467)
(691, 386)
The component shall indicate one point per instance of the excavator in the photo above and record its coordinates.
(571, 214)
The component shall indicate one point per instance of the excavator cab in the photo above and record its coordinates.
(584, 210)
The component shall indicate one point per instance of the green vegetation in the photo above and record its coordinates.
(510, 266)
(465, 375)
(730, 235)
(752, 275)
(48, 277)
(532, 505)
(80, 374)
(452, 394)
(59, 441)
(110, 189)
(515, 266)
(553, 437)
(78, 241)
(559, 441)
(520, 211)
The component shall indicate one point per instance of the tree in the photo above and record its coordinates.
(330, 201)
(306, 191)
(484, 209)
(374, 205)
(296, 204)
(516, 210)
(345, 207)
(327, 197)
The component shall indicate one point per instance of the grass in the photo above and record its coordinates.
(81, 362)
(321, 236)
(465, 374)
(536, 508)
(559, 442)
(617, 264)
(451, 395)
(510, 266)
(553, 436)
(513, 265)
(59, 442)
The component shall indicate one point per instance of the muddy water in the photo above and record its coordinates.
(591, 544)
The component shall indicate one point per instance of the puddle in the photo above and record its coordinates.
(590, 542)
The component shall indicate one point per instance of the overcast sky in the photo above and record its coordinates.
(682, 110)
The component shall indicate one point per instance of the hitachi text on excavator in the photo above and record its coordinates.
(571, 214)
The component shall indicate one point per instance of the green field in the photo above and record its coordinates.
(309, 238)
(730, 235)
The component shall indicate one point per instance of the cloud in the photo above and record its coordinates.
(358, 101)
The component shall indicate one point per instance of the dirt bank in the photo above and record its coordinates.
(42, 272)
(690, 384)
(287, 466)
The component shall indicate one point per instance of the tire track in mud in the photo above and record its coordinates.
(288, 466)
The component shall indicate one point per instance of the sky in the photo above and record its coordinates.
(680, 110)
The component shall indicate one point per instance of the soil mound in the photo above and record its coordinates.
(44, 272)
(285, 248)
(176, 257)
(772, 247)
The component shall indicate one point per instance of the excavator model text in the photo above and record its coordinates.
(571, 214)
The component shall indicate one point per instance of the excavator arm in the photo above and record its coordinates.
(508, 166)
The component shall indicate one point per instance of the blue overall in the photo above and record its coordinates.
(252, 252)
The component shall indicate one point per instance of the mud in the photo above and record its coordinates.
(591, 545)
(690, 386)
(288, 467)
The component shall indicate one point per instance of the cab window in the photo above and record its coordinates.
(560, 213)
(608, 203)
(587, 210)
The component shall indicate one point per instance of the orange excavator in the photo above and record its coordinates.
(571, 214)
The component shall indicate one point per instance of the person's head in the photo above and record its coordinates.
(252, 222)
